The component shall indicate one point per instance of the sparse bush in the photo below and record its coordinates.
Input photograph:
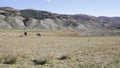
(43, 60)
(40, 61)
(63, 57)
(10, 59)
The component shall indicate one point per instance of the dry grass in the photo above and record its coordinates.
(54, 51)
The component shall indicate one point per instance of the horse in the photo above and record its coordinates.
(25, 33)
(38, 34)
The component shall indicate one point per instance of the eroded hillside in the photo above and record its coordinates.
(11, 18)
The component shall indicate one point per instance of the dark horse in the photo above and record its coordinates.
(25, 33)
(38, 34)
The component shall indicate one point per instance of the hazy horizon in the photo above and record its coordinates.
(108, 8)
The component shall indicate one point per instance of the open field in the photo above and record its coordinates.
(58, 49)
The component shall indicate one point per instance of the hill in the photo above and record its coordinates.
(11, 18)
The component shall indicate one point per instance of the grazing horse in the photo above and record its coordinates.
(25, 33)
(38, 34)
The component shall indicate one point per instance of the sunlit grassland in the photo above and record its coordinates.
(58, 49)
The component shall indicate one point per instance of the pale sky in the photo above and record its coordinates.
(90, 7)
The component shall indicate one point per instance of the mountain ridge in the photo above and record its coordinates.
(11, 18)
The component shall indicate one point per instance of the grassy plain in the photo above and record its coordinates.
(58, 49)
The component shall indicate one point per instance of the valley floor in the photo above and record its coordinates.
(55, 49)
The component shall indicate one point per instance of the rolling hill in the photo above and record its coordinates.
(11, 18)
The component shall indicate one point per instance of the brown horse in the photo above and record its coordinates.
(38, 34)
(25, 33)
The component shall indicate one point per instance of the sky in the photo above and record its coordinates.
(91, 7)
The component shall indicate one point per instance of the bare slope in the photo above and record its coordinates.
(11, 18)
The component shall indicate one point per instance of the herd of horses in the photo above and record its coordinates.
(38, 34)
(19, 35)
